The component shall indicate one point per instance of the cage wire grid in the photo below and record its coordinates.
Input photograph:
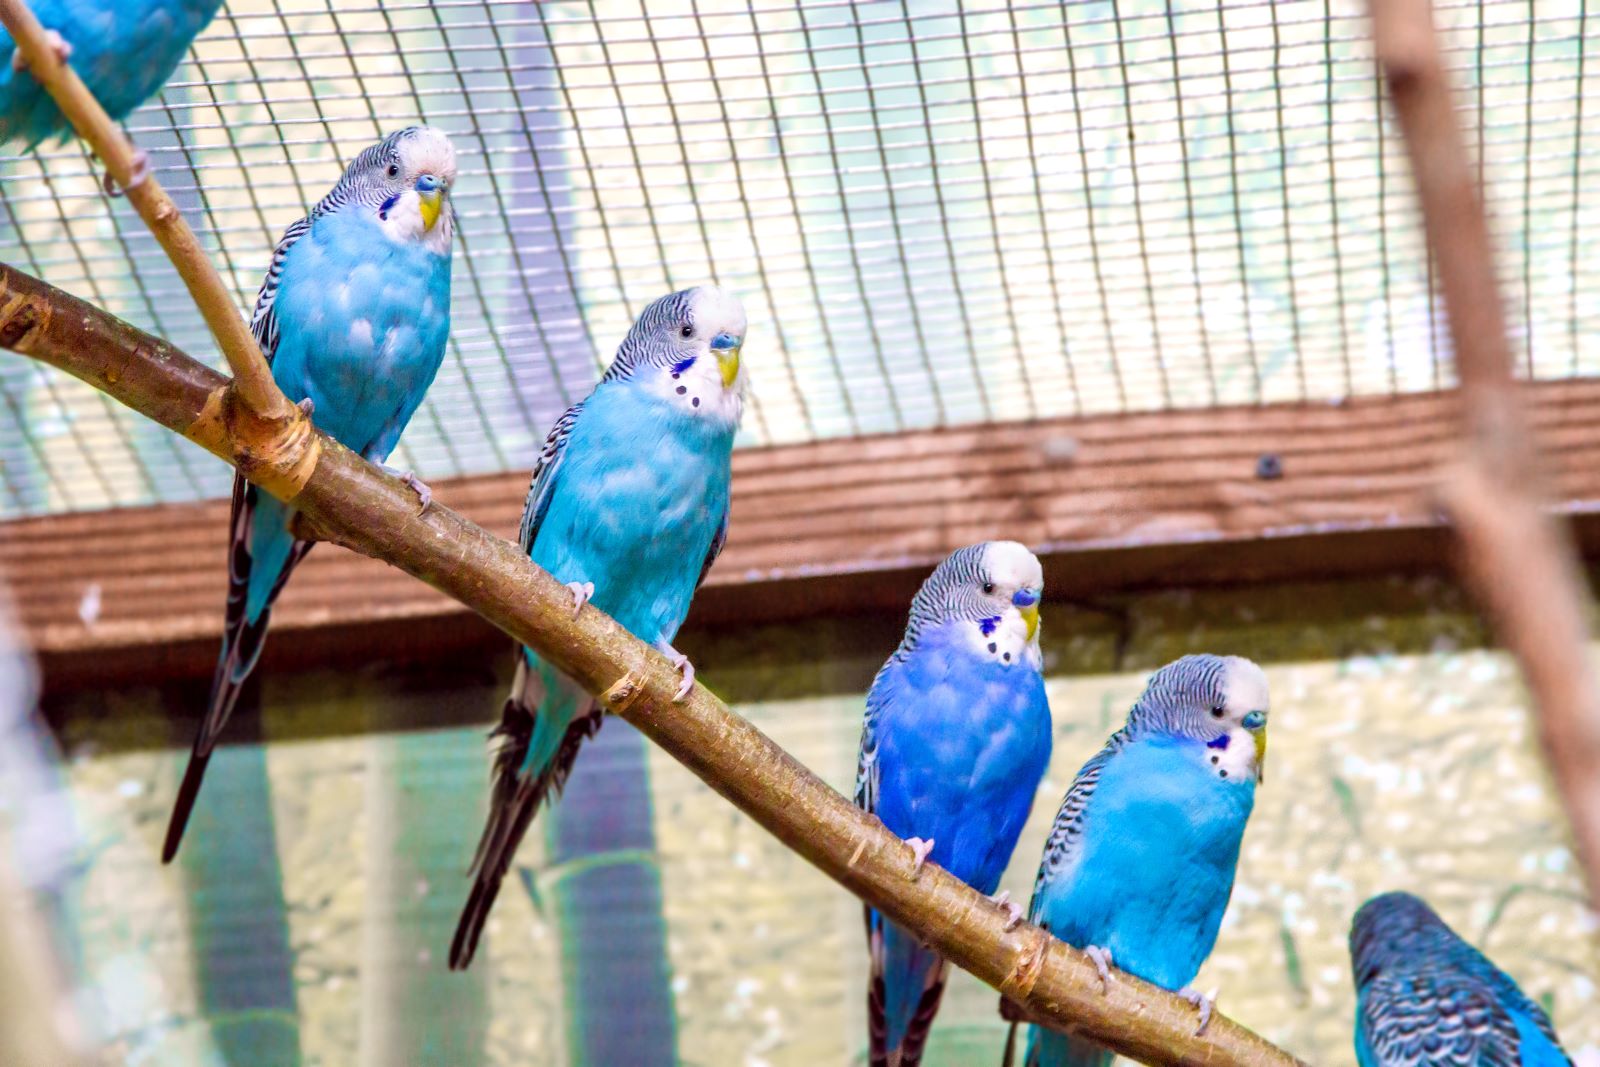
(935, 213)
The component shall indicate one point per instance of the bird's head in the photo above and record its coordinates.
(989, 593)
(685, 346)
(1222, 701)
(406, 180)
(1391, 928)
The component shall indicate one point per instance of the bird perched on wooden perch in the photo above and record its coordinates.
(629, 507)
(353, 318)
(1426, 998)
(123, 50)
(954, 743)
(1139, 866)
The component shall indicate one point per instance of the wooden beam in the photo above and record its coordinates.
(848, 526)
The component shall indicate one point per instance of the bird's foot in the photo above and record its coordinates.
(141, 171)
(919, 853)
(680, 661)
(582, 593)
(308, 407)
(58, 44)
(1204, 1002)
(1101, 958)
(1013, 911)
(417, 485)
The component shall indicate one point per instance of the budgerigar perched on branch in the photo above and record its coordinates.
(1426, 998)
(123, 50)
(956, 738)
(1140, 863)
(353, 317)
(629, 507)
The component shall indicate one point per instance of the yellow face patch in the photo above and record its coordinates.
(1030, 615)
(728, 360)
(430, 204)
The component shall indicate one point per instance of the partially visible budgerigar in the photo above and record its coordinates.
(1140, 863)
(956, 738)
(1426, 998)
(629, 507)
(123, 50)
(353, 316)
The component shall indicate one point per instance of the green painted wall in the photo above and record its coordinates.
(1401, 757)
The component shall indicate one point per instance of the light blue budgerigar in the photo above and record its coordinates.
(123, 50)
(353, 316)
(1426, 998)
(628, 507)
(954, 743)
(1140, 863)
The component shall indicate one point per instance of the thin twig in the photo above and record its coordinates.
(1517, 558)
(350, 502)
(252, 377)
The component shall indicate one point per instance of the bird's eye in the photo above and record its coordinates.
(394, 170)
(687, 331)
(1217, 713)
(988, 588)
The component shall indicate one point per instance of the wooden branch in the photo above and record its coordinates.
(252, 377)
(1518, 560)
(350, 502)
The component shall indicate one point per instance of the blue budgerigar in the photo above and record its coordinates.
(1140, 862)
(353, 317)
(1426, 998)
(123, 50)
(955, 740)
(629, 507)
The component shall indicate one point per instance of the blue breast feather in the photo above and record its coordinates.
(124, 50)
(363, 321)
(1161, 843)
(641, 492)
(962, 742)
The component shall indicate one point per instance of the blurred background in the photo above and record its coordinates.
(1139, 284)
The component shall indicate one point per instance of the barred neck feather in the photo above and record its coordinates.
(950, 592)
(642, 347)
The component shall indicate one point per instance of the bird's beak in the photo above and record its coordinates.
(430, 203)
(1030, 616)
(725, 347)
(1256, 723)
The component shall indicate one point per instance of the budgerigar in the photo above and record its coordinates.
(956, 738)
(629, 507)
(1140, 862)
(353, 316)
(123, 50)
(1426, 998)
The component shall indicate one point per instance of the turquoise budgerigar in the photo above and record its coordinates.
(1140, 863)
(123, 50)
(628, 507)
(353, 317)
(955, 741)
(1426, 998)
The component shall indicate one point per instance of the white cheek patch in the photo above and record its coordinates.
(1006, 641)
(697, 389)
(1233, 755)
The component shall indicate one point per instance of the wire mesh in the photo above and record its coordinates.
(936, 213)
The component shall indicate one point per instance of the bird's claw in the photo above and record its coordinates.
(1101, 958)
(1013, 910)
(415, 484)
(680, 661)
(58, 44)
(141, 171)
(919, 853)
(308, 407)
(582, 593)
(1203, 1001)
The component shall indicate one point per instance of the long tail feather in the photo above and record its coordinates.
(514, 800)
(242, 641)
(913, 1038)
